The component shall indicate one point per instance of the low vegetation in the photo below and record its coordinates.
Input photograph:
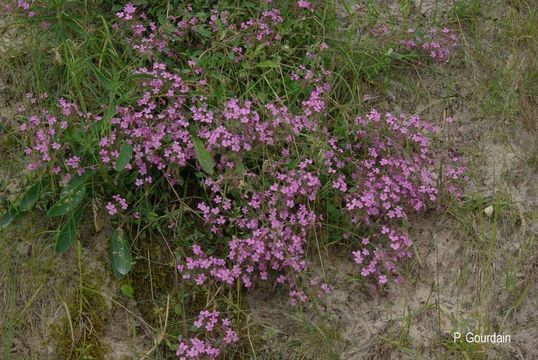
(181, 169)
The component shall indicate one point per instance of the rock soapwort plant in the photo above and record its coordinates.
(231, 118)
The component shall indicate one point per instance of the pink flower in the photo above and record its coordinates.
(303, 4)
(111, 208)
(72, 162)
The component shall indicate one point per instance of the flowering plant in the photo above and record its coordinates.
(231, 137)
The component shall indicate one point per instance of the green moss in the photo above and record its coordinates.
(153, 281)
(79, 334)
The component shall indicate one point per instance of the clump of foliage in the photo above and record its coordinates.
(228, 140)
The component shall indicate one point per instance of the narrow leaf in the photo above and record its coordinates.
(68, 232)
(203, 156)
(121, 254)
(126, 154)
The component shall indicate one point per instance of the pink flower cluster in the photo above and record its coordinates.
(146, 37)
(25, 6)
(239, 127)
(274, 223)
(304, 4)
(438, 44)
(118, 203)
(380, 29)
(217, 334)
(382, 172)
(45, 138)
(392, 179)
(156, 128)
(127, 13)
(262, 30)
(278, 164)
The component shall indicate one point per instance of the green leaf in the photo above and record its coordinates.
(101, 127)
(8, 217)
(259, 49)
(68, 232)
(31, 196)
(109, 114)
(71, 196)
(127, 290)
(68, 202)
(240, 169)
(203, 31)
(121, 254)
(203, 156)
(267, 64)
(76, 182)
(126, 154)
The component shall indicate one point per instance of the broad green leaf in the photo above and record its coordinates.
(72, 194)
(127, 290)
(76, 182)
(267, 64)
(68, 202)
(126, 154)
(121, 254)
(203, 156)
(31, 196)
(68, 232)
(8, 217)
(117, 275)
